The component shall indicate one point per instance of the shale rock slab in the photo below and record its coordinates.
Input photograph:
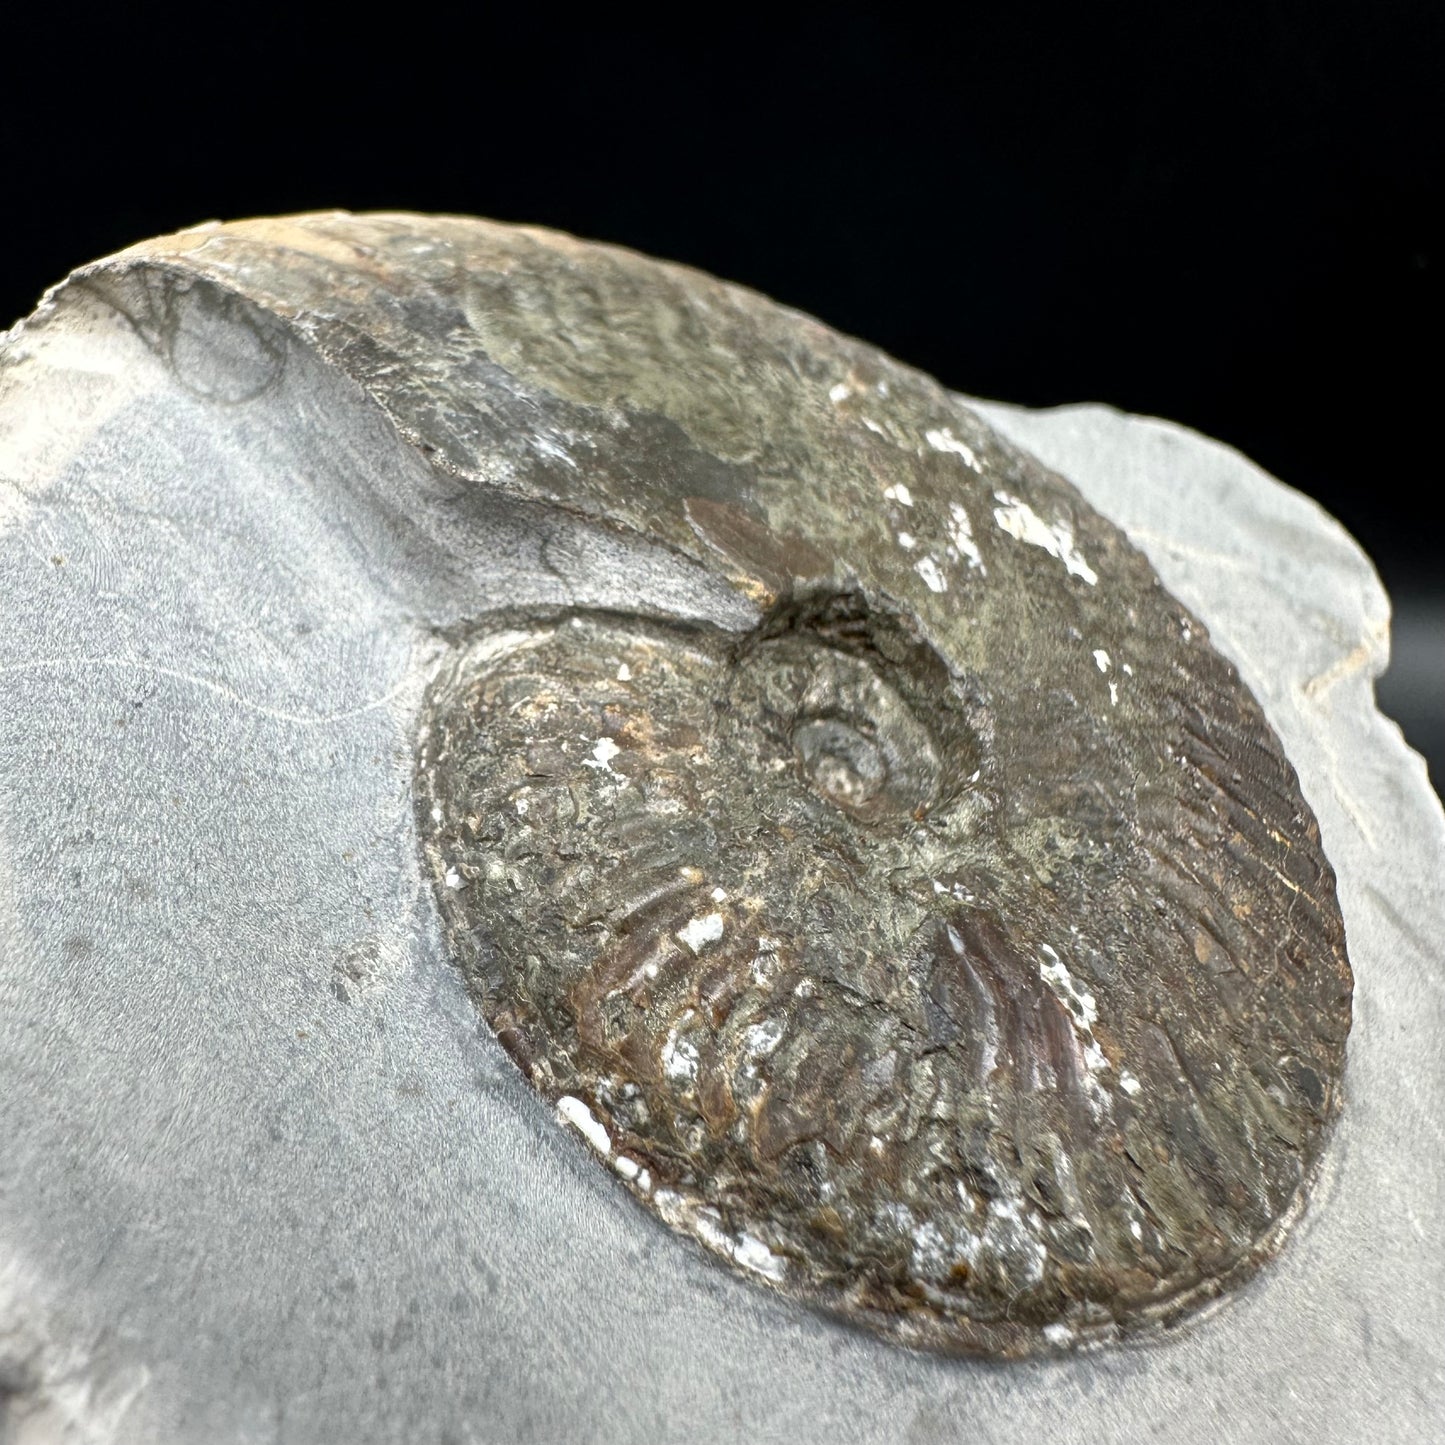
(267, 1176)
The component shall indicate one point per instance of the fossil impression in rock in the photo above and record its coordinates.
(916, 909)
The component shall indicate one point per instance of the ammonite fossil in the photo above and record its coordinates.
(944, 940)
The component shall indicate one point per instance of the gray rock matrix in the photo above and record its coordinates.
(266, 1175)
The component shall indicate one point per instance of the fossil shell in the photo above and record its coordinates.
(944, 940)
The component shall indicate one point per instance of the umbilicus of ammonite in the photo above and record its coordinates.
(946, 943)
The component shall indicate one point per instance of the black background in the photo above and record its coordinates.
(1228, 214)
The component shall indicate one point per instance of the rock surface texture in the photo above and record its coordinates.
(355, 632)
